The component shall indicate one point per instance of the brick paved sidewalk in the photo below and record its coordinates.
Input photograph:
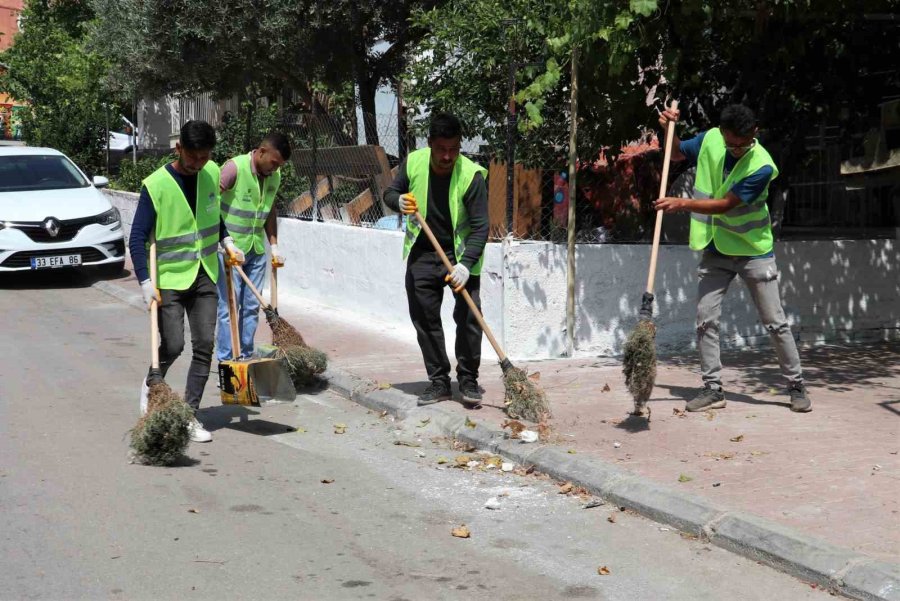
(833, 473)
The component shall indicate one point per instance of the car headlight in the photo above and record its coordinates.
(110, 217)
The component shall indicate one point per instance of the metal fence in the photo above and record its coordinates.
(341, 168)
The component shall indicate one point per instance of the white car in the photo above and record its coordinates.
(52, 215)
(121, 141)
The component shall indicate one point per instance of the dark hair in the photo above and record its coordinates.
(279, 142)
(738, 119)
(444, 125)
(197, 135)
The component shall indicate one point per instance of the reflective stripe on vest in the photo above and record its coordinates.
(745, 230)
(185, 240)
(418, 169)
(245, 209)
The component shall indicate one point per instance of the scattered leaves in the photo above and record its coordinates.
(721, 456)
(710, 415)
(605, 388)
(684, 478)
(603, 571)
(327, 480)
(678, 412)
(442, 460)
(192, 510)
(470, 423)
(494, 460)
(384, 385)
(737, 438)
(544, 430)
(594, 503)
(424, 422)
(571, 451)
(383, 413)
(340, 428)
(758, 453)
(515, 427)
(461, 532)
(566, 488)
(463, 460)
(611, 518)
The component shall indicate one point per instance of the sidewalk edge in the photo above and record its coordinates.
(847, 572)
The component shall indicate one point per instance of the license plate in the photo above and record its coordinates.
(57, 261)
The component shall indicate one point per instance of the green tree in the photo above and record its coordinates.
(181, 46)
(51, 70)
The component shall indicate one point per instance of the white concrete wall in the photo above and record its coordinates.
(832, 290)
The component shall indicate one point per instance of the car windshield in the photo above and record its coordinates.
(28, 172)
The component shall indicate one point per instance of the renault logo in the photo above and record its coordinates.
(51, 224)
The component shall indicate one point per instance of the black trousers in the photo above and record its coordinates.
(199, 302)
(425, 292)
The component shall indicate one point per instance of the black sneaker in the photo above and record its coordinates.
(799, 398)
(470, 393)
(707, 398)
(438, 390)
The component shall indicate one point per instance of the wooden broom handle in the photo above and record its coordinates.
(232, 311)
(274, 286)
(663, 186)
(154, 309)
(465, 293)
(250, 285)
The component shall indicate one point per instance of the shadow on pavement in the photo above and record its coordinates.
(58, 278)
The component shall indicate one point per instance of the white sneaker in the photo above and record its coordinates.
(144, 391)
(198, 432)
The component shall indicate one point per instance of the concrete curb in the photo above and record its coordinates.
(810, 559)
(847, 572)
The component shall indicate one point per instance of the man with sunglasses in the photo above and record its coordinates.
(730, 224)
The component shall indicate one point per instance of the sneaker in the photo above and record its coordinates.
(438, 390)
(799, 399)
(145, 390)
(470, 393)
(708, 398)
(198, 432)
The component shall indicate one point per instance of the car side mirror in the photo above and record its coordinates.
(100, 181)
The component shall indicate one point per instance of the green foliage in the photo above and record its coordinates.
(50, 68)
(131, 174)
(163, 434)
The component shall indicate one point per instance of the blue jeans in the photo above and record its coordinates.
(247, 306)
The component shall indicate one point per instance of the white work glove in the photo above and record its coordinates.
(233, 251)
(458, 277)
(408, 204)
(149, 292)
(277, 258)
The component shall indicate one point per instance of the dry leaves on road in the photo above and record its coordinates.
(678, 412)
(684, 478)
(327, 480)
(515, 427)
(611, 518)
(737, 438)
(193, 510)
(461, 532)
(384, 385)
(710, 415)
(470, 423)
(603, 571)
(605, 388)
(566, 488)
(340, 428)
(407, 443)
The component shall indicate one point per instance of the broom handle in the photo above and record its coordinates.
(250, 285)
(274, 285)
(154, 310)
(232, 311)
(465, 293)
(663, 185)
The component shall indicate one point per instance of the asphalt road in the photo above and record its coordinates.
(249, 517)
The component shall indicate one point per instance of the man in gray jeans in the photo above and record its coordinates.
(730, 224)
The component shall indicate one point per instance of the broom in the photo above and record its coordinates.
(303, 362)
(639, 362)
(163, 432)
(522, 397)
